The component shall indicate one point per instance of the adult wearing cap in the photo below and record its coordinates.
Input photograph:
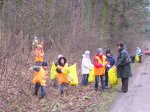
(85, 67)
(99, 68)
(123, 66)
(40, 78)
(38, 55)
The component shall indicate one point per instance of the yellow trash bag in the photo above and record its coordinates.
(91, 77)
(112, 76)
(137, 59)
(72, 75)
(53, 73)
(65, 70)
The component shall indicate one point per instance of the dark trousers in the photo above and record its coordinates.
(55, 84)
(62, 87)
(140, 57)
(43, 90)
(124, 87)
(106, 79)
(85, 79)
(97, 78)
(132, 57)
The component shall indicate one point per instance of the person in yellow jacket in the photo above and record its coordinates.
(40, 75)
(38, 55)
(62, 79)
(99, 69)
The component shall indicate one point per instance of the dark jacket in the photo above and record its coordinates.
(123, 64)
(111, 61)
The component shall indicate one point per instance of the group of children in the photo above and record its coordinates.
(101, 63)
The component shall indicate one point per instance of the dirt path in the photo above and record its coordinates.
(138, 97)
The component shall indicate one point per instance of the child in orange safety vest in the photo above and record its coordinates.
(38, 55)
(99, 68)
(62, 79)
(40, 75)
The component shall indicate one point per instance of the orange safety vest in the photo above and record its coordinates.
(38, 57)
(61, 76)
(101, 70)
(40, 77)
(35, 79)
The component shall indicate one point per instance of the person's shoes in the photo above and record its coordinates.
(62, 95)
(61, 92)
(35, 94)
(41, 98)
(83, 84)
(96, 89)
(55, 87)
(124, 91)
(103, 90)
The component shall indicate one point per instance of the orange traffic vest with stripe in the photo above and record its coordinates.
(101, 70)
(38, 57)
(61, 76)
(40, 77)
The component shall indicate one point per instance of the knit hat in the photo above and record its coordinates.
(44, 64)
(87, 53)
(108, 51)
(100, 50)
(59, 56)
(38, 64)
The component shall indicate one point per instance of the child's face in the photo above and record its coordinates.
(108, 54)
(119, 47)
(62, 61)
(45, 67)
(100, 54)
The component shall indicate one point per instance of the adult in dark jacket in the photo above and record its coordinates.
(123, 66)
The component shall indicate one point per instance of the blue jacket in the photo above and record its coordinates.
(111, 60)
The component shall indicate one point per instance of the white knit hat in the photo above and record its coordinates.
(59, 56)
(87, 53)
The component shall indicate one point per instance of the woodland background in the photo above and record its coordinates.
(68, 27)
